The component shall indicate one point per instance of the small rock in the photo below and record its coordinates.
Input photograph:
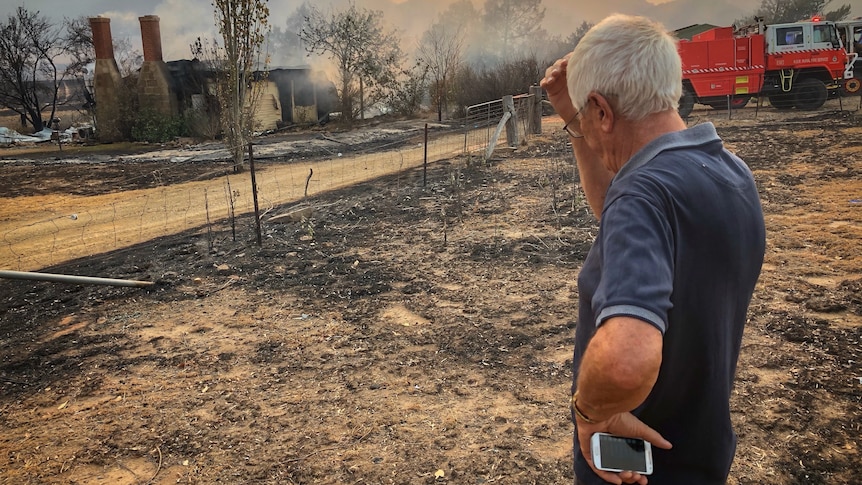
(295, 215)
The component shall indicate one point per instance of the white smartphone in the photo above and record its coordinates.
(618, 454)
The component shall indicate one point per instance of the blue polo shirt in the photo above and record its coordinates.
(680, 246)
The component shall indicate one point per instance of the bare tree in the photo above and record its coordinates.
(79, 44)
(441, 51)
(463, 16)
(365, 54)
(129, 59)
(243, 26)
(30, 78)
(79, 36)
(510, 22)
(481, 83)
(205, 117)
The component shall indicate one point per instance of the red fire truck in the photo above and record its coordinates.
(793, 65)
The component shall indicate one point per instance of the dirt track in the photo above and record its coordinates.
(408, 335)
(66, 210)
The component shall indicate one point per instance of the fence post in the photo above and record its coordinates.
(536, 110)
(254, 193)
(512, 124)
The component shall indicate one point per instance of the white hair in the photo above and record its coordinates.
(631, 60)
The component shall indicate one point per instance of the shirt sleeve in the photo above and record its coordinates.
(637, 262)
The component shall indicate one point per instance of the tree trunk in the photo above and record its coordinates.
(361, 99)
(346, 105)
(36, 120)
(53, 114)
(440, 99)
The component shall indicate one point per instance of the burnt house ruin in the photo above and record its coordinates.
(289, 96)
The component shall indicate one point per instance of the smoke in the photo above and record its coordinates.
(562, 17)
(412, 18)
(182, 21)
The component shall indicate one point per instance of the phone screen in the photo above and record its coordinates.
(620, 453)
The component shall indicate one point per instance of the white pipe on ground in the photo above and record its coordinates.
(62, 278)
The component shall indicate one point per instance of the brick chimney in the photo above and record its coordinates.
(102, 40)
(154, 80)
(107, 82)
(151, 38)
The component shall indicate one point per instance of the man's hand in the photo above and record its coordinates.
(554, 83)
(595, 177)
(623, 424)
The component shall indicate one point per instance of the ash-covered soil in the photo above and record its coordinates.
(416, 334)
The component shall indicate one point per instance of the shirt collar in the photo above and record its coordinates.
(695, 136)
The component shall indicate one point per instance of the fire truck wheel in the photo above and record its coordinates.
(852, 86)
(810, 94)
(781, 101)
(686, 102)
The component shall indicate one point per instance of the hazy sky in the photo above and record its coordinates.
(184, 20)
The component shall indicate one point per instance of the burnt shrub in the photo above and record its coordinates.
(154, 127)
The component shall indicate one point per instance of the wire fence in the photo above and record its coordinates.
(45, 230)
(760, 109)
(481, 120)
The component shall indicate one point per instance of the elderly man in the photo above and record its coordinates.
(665, 288)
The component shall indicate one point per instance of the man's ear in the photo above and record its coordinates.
(604, 111)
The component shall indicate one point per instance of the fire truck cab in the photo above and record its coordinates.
(809, 36)
(804, 60)
(850, 32)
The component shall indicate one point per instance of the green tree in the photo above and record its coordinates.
(783, 11)
(242, 25)
(404, 95)
(366, 55)
(285, 43)
(575, 37)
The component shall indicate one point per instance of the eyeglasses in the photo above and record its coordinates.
(571, 131)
